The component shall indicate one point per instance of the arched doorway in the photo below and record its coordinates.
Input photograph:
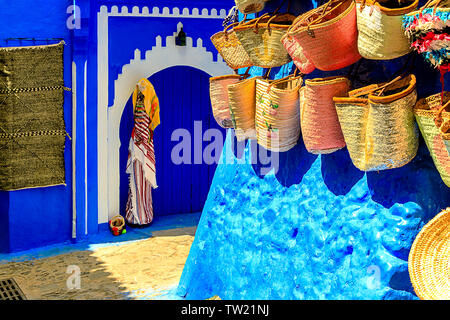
(184, 98)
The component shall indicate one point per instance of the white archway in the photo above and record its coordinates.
(159, 58)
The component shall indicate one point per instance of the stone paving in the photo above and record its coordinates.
(125, 271)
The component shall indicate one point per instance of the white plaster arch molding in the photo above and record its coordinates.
(157, 59)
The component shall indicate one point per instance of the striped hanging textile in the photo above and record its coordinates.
(141, 157)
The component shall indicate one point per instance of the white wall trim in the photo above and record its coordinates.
(157, 59)
(165, 12)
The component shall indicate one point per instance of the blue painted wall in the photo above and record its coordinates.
(24, 214)
(40, 216)
(318, 228)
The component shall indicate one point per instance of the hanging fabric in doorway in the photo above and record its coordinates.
(32, 130)
(141, 164)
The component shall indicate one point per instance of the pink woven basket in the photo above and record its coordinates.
(328, 36)
(320, 125)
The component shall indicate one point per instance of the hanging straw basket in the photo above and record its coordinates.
(320, 125)
(380, 32)
(261, 38)
(429, 259)
(445, 132)
(230, 48)
(378, 124)
(218, 89)
(242, 108)
(277, 113)
(250, 6)
(426, 112)
(297, 54)
(328, 36)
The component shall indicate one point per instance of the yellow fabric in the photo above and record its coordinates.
(151, 102)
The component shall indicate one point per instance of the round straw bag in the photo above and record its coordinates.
(378, 124)
(380, 32)
(328, 35)
(261, 38)
(429, 259)
(320, 125)
(277, 113)
(426, 111)
(230, 48)
(250, 6)
(117, 225)
(242, 108)
(218, 89)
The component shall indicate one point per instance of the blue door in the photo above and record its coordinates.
(183, 93)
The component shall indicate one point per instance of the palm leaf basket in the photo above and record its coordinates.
(320, 125)
(328, 36)
(231, 49)
(261, 39)
(426, 112)
(277, 113)
(429, 257)
(218, 89)
(378, 124)
(250, 6)
(242, 103)
(380, 32)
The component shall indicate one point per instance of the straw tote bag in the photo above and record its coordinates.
(242, 100)
(320, 125)
(278, 113)
(250, 6)
(426, 112)
(445, 132)
(218, 89)
(380, 32)
(230, 48)
(428, 261)
(261, 38)
(378, 124)
(328, 36)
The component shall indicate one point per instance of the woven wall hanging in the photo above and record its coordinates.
(32, 130)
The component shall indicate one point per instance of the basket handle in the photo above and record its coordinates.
(233, 25)
(382, 88)
(438, 119)
(429, 4)
(323, 15)
(285, 79)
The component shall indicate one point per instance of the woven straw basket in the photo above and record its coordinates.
(329, 40)
(379, 130)
(242, 107)
(429, 259)
(297, 54)
(117, 224)
(278, 113)
(230, 48)
(218, 89)
(426, 111)
(445, 132)
(380, 32)
(261, 38)
(320, 125)
(250, 6)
